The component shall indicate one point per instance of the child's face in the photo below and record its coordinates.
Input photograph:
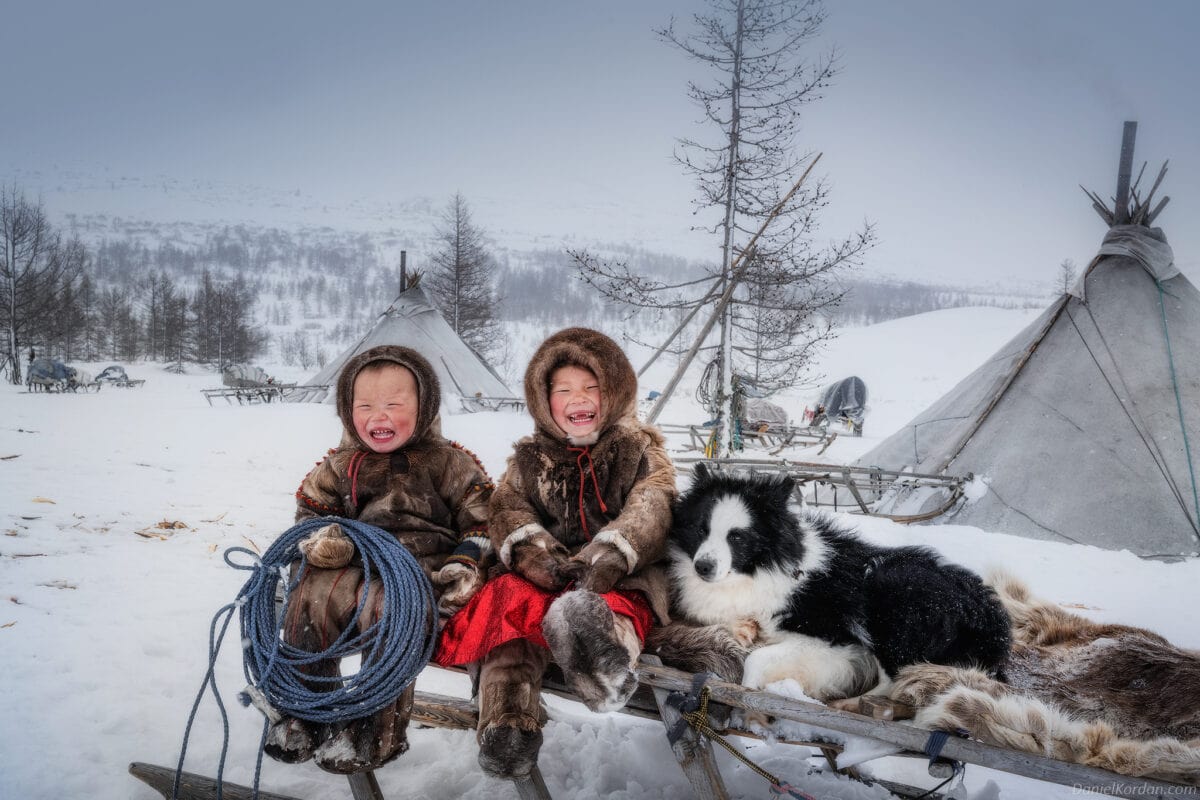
(385, 407)
(575, 400)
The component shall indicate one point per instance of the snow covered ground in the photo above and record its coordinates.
(117, 507)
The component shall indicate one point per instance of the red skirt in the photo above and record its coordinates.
(511, 607)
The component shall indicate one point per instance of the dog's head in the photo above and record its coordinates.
(727, 525)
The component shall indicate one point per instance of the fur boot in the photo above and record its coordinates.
(312, 622)
(319, 610)
(596, 649)
(370, 742)
(292, 740)
(511, 715)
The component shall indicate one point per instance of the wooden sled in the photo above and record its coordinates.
(657, 697)
(478, 402)
(848, 488)
(770, 438)
(265, 393)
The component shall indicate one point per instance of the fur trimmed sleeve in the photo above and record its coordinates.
(640, 531)
(511, 510)
(319, 495)
(466, 489)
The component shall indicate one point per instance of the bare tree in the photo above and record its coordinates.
(1066, 276)
(755, 51)
(34, 262)
(461, 278)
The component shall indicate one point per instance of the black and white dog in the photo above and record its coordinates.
(837, 614)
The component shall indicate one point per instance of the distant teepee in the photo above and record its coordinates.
(1085, 427)
(412, 321)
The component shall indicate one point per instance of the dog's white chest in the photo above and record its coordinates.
(761, 598)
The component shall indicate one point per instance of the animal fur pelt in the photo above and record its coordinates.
(1110, 696)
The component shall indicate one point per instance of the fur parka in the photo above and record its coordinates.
(430, 493)
(616, 486)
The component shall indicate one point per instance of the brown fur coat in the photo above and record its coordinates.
(430, 493)
(617, 487)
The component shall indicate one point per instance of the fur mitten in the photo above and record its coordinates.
(597, 567)
(540, 559)
(328, 547)
(457, 583)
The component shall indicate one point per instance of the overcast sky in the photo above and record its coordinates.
(962, 130)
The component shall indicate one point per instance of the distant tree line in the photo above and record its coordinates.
(98, 289)
(866, 302)
(55, 305)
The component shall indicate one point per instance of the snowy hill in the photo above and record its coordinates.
(103, 632)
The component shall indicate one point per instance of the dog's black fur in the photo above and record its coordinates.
(905, 604)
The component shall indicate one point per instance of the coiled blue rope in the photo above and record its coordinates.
(400, 642)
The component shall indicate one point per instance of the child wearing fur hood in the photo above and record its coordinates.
(393, 469)
(578, 519)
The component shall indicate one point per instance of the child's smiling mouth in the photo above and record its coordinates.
(382, 434)
(581, 417)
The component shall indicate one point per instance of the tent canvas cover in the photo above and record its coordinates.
(1085, 426)
(412, 321)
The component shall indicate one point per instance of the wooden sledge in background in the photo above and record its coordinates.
(872, 491)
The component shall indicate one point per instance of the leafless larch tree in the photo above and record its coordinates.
(36, 266)
(760, 75)
(461, 278)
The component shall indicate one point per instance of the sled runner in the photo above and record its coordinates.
(664, 694)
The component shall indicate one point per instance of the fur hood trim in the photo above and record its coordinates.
(429, 390)
(593, 350)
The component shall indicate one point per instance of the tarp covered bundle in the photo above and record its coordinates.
(846, 400)
(48, 370)
(1085, 427)
(412, 321)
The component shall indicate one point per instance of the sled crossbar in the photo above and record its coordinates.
(694, 752)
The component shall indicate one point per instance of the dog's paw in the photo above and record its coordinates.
(745, 631)
(917, 684)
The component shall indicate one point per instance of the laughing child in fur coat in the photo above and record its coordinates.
(394, 470)
(579, 517)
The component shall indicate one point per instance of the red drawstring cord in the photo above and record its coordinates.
(583, 451)
(352, 473)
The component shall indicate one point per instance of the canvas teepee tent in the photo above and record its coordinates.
(412, 321)
(1085, 427)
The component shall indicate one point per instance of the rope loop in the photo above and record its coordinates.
(395, 647)
(398, 645)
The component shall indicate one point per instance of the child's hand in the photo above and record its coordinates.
(598, 567)
(540, 560)
(457, 583)
(328, 547)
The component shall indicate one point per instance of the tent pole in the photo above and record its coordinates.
(1125, 173)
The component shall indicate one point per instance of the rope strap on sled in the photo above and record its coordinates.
(693, 710)
(396, 647)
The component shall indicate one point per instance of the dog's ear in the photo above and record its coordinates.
(700, 474)
(781, 489)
